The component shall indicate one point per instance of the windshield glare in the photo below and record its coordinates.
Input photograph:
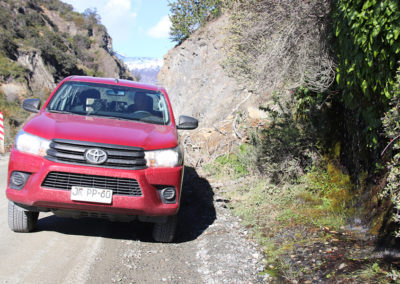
(110, 101)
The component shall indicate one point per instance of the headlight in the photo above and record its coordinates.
(32, 144)
(164, 158)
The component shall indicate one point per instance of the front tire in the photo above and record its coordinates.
(165, 232)
(20, 220)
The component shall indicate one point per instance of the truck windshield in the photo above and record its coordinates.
(119, 102)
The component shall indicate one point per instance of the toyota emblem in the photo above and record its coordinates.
(95, 156)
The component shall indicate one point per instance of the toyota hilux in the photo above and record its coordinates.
(99, 147)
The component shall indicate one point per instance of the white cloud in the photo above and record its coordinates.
(119, 18)
(161, 29)
(115, 8)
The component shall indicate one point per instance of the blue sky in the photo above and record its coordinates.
(137, 27)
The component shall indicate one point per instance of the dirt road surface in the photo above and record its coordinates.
(211, 246)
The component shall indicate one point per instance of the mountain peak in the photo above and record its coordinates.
(146, 68)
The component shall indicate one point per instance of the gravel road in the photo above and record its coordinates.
(211, 246)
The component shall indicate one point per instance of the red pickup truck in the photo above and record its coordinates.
(99, 147)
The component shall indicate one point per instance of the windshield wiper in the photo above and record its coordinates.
(59, 111)
(152, 120)
(106, 116)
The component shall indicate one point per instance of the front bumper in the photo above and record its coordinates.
(148, 204)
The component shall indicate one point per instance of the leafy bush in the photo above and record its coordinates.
(11, 70)
(367, 35)
(80, 44)
(367, 45)
(391, 122)
(56, 52)
(8, 47)
(286, 148)
(188, 15)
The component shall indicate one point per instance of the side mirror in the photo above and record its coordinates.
(187, 123)
(32, 105)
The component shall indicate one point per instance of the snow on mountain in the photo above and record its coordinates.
(146, 68)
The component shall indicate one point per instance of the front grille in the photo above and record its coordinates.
(119, 186)
(73, 152)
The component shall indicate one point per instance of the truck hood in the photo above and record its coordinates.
(103, 130)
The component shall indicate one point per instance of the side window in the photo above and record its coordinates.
(155, 102)
(163, 107)
(62, 98)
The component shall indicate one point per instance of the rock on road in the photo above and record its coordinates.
(210, 247)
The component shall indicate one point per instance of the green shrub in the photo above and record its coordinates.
(8, 47)
(330, 186)
(227, 166)
(56, 51)
(321, 198)
(391, 122)
(80, 45)
(11, 70)
(367, 46)
(286, 148)
(79, 20)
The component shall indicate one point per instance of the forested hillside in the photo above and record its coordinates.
(43, 41)
(323, 160)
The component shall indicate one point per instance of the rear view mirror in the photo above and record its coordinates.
(32, 105)
(115, 93)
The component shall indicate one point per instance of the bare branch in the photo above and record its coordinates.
(234, 127)
(276, 43)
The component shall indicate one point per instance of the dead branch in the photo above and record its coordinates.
(242, 102)
(234, 127)
(281, 42)
(388, 145)
(220, 131)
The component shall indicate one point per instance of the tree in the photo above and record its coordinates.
(188, 15)
(91, 19)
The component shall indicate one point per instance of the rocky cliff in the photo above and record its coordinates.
(42, 42)
(47, 41)
(234, 63)
(196, 82)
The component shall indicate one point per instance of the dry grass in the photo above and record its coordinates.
(280, 45)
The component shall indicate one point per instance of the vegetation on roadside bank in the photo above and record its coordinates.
(286, 191)
(297, 201)
(329, 151)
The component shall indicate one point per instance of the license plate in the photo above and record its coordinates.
(89, 194)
